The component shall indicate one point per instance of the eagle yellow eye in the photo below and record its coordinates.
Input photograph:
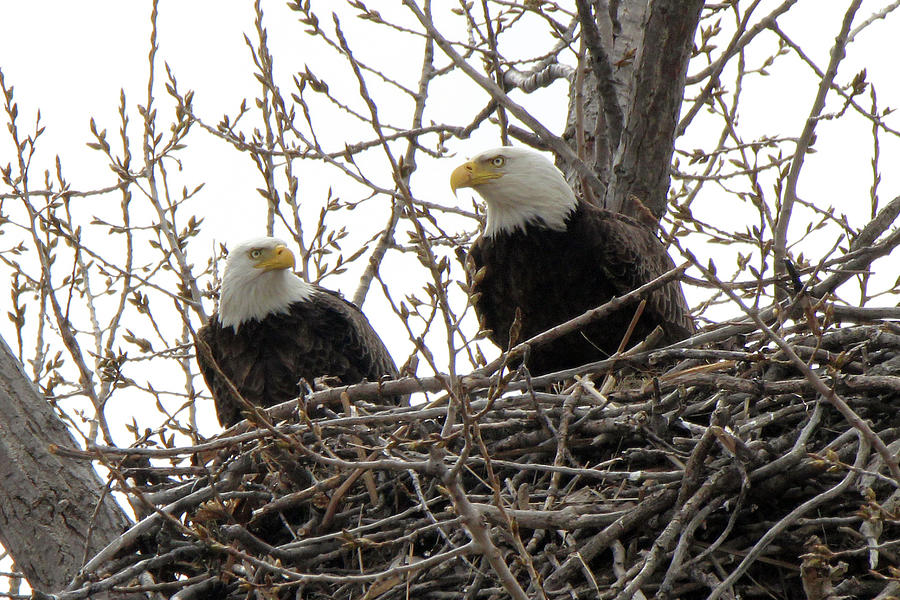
(498, 161)
(255, 253)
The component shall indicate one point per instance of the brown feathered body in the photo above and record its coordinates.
(553, 275)
(323, 335)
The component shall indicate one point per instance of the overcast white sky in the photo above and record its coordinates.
(71, 59)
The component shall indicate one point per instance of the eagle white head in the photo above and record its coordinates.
(258, 281)
(520, 187)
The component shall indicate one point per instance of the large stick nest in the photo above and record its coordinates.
(757, 459)
(721, 471)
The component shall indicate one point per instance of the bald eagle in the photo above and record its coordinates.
(273, 328)
(555, 257)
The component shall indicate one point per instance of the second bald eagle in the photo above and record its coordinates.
(273, 329)
(554, 257)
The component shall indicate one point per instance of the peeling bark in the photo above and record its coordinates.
(648, 45)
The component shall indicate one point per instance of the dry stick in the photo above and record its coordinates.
(292, 576)
(881, 14)
(94, 588)
(65, 326)
(331, 158)
(369, 390)
(162, 513)
(691, 479)
(864, 243)
(267, 105)
(609, 380)
(618, 564)
(566, 519)
(713, 71)
(385, 240)
(145, 525)
(164, 227)
(473, 523)
(53, 194)
(638, 475)
(862, 455)
(828, 393)
(863, 314)
(169, 586)
(806, 138)
(387, 235)
(293, 498)
(546, 136)
(562, 450)
(122, 272)
(596, 544)
(361, 455)
(740, 39)
(338, 497)
(495, 67)
(473, 436)
(402, 183)
(720, 481)
(677, 566)
(242, 432)
(344, 578)
(864, 252)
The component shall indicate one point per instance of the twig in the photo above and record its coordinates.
(862, 455)
(806, 138)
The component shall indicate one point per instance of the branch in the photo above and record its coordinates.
(612, 112)
(861, 455)
(534, 80)
(864, 250)
(806, 138)
(474, 525)
(826, 392)
(553, 141)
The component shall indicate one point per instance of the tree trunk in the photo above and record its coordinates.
(647, 46)
(47, 502)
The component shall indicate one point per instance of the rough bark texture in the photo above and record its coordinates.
(47, 502)
(649, 45)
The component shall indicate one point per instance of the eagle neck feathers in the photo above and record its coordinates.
(248, 296)
(544, 200)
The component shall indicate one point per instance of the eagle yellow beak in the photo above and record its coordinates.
(280, 257)
(471, 174)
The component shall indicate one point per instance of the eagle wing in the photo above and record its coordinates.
(351, 334)
(214, 360)
(323, 336)
(630, 255)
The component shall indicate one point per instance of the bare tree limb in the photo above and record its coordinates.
(806, 137)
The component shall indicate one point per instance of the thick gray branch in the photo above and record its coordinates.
(47, 502)
(600, 64)
(530, 81)
(641, 164)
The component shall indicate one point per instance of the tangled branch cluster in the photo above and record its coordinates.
(720, 472)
